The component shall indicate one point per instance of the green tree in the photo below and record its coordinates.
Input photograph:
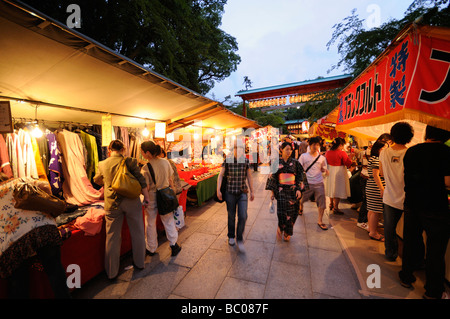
(275, 119)
(180, 39)
(358, 47)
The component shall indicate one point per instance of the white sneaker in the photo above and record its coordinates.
(363, 226)
(231, 241)
(240, 245)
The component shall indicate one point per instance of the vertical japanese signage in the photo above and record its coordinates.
(410, 81)
(106, 130)
(6, 125)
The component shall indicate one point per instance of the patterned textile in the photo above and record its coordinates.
(288, 204)
(15, 222)
(54, 165)
(237, 175)
(27, 246)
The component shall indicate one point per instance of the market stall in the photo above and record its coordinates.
(82, 95)
(408, 82)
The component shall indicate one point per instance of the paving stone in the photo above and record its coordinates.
(263, 230)
(288, 281)
(205, 279)
(233, 288)
(254, 265)
(293, 252)
(331, 274)
(192, 249)
(159, 284)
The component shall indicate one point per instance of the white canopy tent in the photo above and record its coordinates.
(70, 77)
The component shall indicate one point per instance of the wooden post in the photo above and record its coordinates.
(244, 108)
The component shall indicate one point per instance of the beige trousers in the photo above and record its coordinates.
(132, 209)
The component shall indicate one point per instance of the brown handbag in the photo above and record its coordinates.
(30, 197)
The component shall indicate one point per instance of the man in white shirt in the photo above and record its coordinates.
(391, 167)
(315, 164)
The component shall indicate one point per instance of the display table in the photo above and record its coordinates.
(205, 188)
(88, 252)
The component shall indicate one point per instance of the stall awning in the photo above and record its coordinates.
(71, 77)
(409, 81)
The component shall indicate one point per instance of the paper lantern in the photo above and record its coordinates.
(160, 130)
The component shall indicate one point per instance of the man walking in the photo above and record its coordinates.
(314, 165)
(238, 172)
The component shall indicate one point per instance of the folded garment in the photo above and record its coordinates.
(91, 222)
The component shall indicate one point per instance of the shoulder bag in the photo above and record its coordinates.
(124, 183)
(223, 187)
(305, 179)
(166, 199)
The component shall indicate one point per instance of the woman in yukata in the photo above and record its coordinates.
(286, 185)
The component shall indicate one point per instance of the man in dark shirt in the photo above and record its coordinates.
(427, 181)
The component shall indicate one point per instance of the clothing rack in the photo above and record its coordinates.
(60, 124)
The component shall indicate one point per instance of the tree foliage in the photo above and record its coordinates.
(180, 39)
(358, 47)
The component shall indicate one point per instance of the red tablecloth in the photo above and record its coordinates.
(85, 251)
(187, 175)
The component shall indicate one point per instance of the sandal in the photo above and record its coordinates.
(279, 233)
(322, 226)
(379, 238)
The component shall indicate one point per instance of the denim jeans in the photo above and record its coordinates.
(240, 202)
(391, 217)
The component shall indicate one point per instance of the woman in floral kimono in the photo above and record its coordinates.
(286, 185)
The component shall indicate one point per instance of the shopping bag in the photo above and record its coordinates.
(272, 207)
(178, 215)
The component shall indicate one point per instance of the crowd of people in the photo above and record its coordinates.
(385, 181)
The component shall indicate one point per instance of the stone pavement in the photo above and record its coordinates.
(315, 264)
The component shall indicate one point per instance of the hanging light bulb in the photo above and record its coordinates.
(145, 132)
(37, 132)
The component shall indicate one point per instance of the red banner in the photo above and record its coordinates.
(328, 132)
(409, 81)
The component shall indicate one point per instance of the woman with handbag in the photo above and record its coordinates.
(286, 185)
(158, 175)
(117, 206)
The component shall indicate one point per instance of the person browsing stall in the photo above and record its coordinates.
(117, 207)
(163, 173)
